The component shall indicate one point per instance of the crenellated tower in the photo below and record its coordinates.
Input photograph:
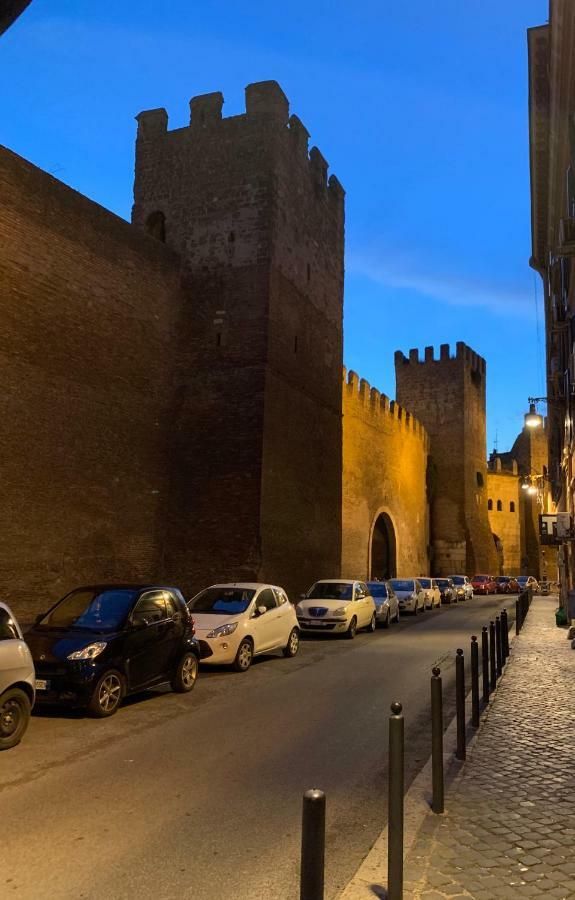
(259, 227)
(448, 396)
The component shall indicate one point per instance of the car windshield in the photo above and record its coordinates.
(425, 582)
(222, 600)
(480, 578)
(92, 609)
(377, 589)
(458, 579)
(331, 590)
(523, 579)
(443, 582)
(399, 585)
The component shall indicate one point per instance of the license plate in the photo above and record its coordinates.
(42, 684)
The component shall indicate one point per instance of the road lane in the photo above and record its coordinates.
(199, 796)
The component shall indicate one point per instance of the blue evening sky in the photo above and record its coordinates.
(420, 109)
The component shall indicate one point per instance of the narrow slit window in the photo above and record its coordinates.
(490, 504)
(499, 506)
(511, 506)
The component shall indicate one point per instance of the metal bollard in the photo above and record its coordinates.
(492, 665)
(395, 805)
(485, 663)
(498, 646)
(437, 804)
(312, 845)
(460, 703)
(518, 615)
(504, 635)
(474, 682)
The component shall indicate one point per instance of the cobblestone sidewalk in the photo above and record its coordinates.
(509, 827)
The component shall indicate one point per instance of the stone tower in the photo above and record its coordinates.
(448, 396)
(259, 227)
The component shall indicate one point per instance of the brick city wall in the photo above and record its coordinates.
(259, 227)
(503, 489)
(384, 471)
(447, 395)
(88, 312)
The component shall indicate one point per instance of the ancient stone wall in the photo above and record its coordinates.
(504, 513)
(89, 311)
(447, 395)
(259, 228)
(385, 454)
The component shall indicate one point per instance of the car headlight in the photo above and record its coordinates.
(223, 630)
(342, 611)
(89, 652)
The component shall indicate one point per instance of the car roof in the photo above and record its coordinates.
(125, 586)
(248, 585)
(338, 580)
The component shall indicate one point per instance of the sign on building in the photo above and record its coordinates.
(554, 528)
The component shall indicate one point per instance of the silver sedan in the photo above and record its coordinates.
(386, 603)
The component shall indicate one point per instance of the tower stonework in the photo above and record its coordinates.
(256, 464)
(447, 395)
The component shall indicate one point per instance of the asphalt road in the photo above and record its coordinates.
(199, 796)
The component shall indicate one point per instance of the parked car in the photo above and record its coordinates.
(463, 587)
(528, 581)
(447, 590)
(102, 642)
(507, 584)
(484, 584)
(337, 605)
(410, 594)
(17, 681)
(432, 592)
(386, 603)
(235, 622)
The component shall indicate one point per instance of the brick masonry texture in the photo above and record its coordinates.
(509, 826)
(89, 311)
(447, 395)
(503, 487)
(385, 454)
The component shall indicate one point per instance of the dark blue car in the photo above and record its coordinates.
(102, 642)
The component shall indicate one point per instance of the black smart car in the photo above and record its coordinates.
(102, 642)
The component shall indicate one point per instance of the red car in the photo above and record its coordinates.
(484, 584)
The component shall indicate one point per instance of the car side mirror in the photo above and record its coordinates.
(262, 610)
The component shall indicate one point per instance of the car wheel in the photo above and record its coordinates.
(387, 620)
(186, 674)
(292, 646)
(244, 656)
(14, 717)
(352, 628)
(373, 623)
(107, 695)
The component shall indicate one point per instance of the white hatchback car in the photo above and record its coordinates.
(235, 622)
(17, 681)
(410, 594)
(432, 593)
(337, 606)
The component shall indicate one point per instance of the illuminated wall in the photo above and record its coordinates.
(504, 510)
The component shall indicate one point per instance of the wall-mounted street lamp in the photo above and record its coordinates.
(533, 419)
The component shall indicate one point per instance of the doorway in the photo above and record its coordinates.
(383, 549)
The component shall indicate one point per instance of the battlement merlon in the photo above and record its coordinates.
(463, 354)
(265, 103)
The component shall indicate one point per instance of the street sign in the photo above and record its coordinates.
(554, 528)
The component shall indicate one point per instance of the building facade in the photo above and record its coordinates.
(552, 164)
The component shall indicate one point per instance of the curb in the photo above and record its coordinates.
(370, 878)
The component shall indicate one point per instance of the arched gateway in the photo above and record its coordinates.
(383, 556)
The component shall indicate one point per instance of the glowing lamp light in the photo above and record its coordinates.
(531, 489)
(533, 419)
(525, 486)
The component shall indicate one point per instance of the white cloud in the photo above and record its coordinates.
(452, 289)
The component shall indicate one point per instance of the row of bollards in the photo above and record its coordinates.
(494, 655)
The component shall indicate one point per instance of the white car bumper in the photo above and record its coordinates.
(330, 626)
(219, 651)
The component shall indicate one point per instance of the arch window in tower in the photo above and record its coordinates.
(490, 504)
(511, 506)
(499, 506)
(156, 226)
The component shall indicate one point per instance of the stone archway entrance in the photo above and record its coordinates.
(383, 549)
